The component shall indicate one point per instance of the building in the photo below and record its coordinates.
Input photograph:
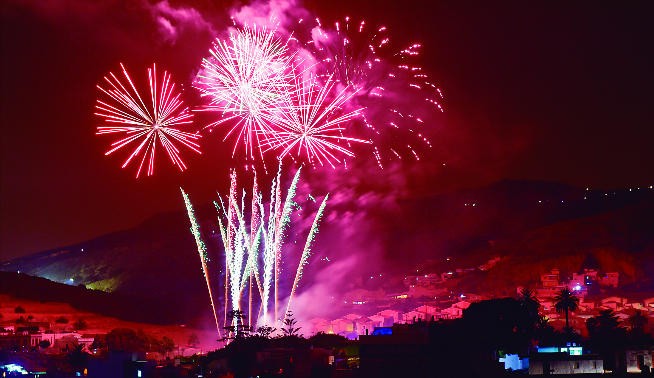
(639, 361)
(564, 363)
(550, 279)
(393, 314)
(610, 279)
(395, 351)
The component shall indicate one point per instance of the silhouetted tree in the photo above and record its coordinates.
(265, 331)
(604, 324)
(606, 336)
(289, 325)
(19, 310)
(637, 323)
(496, 324)
(99, 342)
(237, 328)
(77, 358)
(125, 340)
(61, 320)
(529, 305)
(529, 302)
(167, 345)
(327, 340)
(193, 340)
(566, 301)
(546, 334)
(80, 324)
(44, 344)
(637, 335)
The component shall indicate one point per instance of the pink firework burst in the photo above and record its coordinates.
(311, 125)
(143, 126)
(396, 94)
(246, 78)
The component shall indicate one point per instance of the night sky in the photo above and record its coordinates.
(555, 91)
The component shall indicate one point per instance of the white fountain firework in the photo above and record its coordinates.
(253, 247)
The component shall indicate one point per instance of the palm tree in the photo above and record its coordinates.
(637, 322)
(566, 301)
(529, 303)
(529, 316)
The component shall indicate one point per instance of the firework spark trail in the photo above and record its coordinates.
(278, 218)
(202, 251)
(282, 220)
(233, 243)
(306, 252)
(146, 126)
(312, 122)
(256, 235)
(269, 256)
(244, 78)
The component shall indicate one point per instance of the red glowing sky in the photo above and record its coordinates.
(552, 92)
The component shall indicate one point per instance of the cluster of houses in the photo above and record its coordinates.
(590, 281)
(37, 335)
(354, 325)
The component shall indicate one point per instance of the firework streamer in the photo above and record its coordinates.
(202, 251)
(282, 220)
(306, 252)
(144, 127)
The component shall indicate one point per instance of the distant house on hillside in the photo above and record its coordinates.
(586, 306)
(428, 310)
(614, 303)
(610, 279)
(342, 326)
(395, 315)
(378, 321)
(413, 317)
(455, 311)
(550, 279)
(320, 325)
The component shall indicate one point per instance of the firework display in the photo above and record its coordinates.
(253, 247)
(317, 95)
(144, 127)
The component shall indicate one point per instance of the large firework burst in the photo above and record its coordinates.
(394, 92)
(145, 126)
(245, 78)
(311, 124)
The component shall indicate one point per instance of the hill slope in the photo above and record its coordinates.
(535, 225)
